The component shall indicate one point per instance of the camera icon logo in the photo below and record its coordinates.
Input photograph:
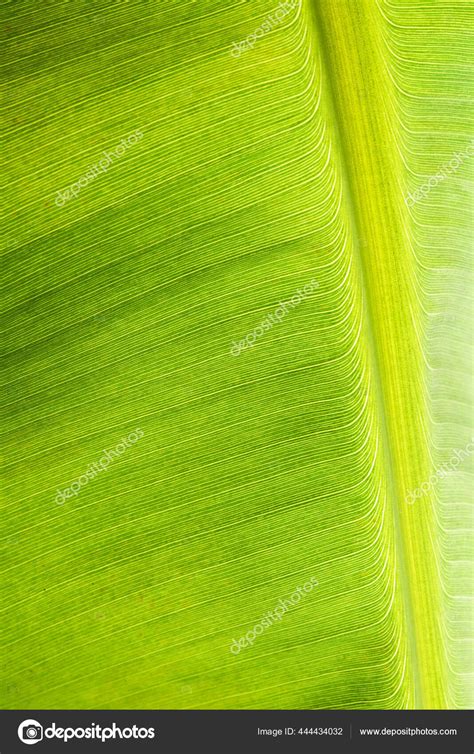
(30, 731)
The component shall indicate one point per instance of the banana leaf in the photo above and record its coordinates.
(237, 357)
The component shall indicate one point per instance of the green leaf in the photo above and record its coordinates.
(267, 150)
